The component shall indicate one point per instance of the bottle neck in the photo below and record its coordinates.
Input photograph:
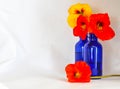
(85, 40)
(91, 37)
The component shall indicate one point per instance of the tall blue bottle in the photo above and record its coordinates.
(79, 49)
(93, 54)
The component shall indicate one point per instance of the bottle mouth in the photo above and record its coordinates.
(91, 36)
(84, 39)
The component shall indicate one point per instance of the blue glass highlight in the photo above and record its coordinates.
(93, 54)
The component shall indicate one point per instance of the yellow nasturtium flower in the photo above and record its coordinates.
(76, 10)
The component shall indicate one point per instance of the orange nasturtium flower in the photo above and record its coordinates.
(81, 29)
(99, 23)
(78, 72)
(76, 10)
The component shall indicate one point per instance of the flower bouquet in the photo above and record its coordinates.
(90, 27)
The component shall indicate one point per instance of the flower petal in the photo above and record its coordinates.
(106, 34)
(72, 20)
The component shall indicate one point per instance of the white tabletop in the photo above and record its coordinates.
(58, 82)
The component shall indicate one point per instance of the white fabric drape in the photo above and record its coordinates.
(35, 37)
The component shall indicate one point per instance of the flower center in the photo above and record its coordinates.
(99, 25)
(77, 75)
(82, 11)
(79, 12)
(83, 25)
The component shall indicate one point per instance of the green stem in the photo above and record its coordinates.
(106, 76)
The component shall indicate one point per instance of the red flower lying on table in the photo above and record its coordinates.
(78, 72)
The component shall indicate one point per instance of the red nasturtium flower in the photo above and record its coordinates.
(78, 72)
(82, 27)
(99, 23)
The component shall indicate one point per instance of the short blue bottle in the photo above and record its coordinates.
(79, 48)
(93, 54)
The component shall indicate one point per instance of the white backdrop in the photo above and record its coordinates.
(35, 34)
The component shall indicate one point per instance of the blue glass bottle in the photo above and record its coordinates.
(93, 54)
(79, 49)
